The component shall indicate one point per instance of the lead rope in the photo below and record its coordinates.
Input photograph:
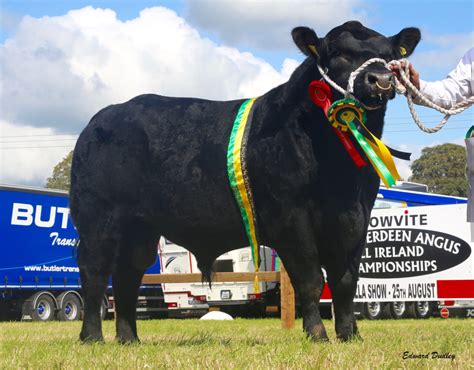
(349, 92)
(409, 91)
(412, 90)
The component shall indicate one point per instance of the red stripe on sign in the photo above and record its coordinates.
(326, 294)
(455, 289)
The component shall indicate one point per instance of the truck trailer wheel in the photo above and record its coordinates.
(376, 310)
(104, 308)
(420, 309)
(70, 306)
(40, 307)
(398, 310)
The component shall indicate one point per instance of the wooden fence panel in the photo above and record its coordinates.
(287, 293)
(219, 277)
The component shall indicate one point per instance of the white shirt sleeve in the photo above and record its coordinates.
(457, 86)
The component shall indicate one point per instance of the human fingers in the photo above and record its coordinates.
(414, 76)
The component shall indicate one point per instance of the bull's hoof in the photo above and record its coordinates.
(127, 340)
(317, 333)
(350, 338)
(91, 338)
(318, 339)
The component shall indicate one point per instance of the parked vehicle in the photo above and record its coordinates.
(194, 299)
(39, 277)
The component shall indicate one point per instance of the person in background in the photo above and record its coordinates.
(456, 87)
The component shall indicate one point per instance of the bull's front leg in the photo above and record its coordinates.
(343, 268)
(308, 281)
(343, 292)
(342, 280)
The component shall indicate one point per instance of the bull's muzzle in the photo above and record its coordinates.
(380, 83)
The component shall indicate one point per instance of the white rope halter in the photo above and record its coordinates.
(409, 91)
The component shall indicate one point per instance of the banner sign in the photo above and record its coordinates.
(412, 252)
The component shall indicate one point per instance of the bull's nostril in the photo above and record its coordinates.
(371, 78)
(379, 82)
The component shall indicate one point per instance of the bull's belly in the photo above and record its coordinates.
(195, 214)
(206, 233)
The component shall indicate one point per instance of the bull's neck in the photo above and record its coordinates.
(296, 89)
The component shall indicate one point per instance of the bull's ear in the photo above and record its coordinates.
(405, 41)
(307, 41)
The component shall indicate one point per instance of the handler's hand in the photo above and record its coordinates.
(414, 75)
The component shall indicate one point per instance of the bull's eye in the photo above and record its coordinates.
(339, 56)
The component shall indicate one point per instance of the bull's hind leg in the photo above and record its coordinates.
(95, 266)
(97, 251)
(126, 284)
(343, 292)
(137, 253)
(94, 285)
(307, 278)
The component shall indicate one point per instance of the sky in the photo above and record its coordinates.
(62, 61)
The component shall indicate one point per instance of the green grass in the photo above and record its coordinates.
(241, 343)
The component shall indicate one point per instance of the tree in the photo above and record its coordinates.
(443, 169)
(61, 178)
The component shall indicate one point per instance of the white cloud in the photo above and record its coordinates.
(443, 51)
(34, 163)
(268, 24)
(59, 71)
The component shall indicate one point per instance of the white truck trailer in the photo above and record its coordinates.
(195, 299)
(39, 276)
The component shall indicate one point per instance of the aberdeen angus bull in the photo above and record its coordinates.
(156, 166)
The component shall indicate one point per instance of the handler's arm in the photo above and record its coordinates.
(457, 86)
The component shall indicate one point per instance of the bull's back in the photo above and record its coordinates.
(163, 158)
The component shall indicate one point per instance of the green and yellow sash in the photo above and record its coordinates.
(236, 170)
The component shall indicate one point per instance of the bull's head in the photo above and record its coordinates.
(348, 46)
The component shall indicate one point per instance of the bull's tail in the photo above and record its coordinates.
(207, 271)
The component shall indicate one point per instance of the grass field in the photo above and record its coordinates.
(242, 343)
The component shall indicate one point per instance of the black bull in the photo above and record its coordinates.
(156, 166)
